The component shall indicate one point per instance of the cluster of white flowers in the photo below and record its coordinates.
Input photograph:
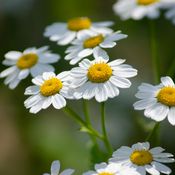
(137, 160)
(138, 9)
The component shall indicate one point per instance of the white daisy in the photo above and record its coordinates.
(158, 102)
(100, 79)
(138, 9)
(111, 169)
(88, 42)
(143, 159)
(31, 61)
(55, 169)
(48, 89)
(65, 33)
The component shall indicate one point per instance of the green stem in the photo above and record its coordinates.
(154, 133)
(106, 140)
(155, 59)
(81, 122)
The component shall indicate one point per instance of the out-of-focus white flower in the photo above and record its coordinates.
(65, 33)
(31, 61)
(170, 14)
(88, 42)
(143, 159)
(55, 169)
(100, 79)
(48, 89)
(138, 9)
(158, 102)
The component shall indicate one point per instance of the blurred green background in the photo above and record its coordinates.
(29, 143)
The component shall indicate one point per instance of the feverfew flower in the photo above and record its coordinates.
(88, 42)
(143, 159)
(111, 169)
(55, 169)
(100, 79)
(157, 101)
(65, 33)
(138, 9)
(48, 89)
(31, 61)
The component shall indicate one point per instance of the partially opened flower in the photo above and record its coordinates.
(157, 101)
(55, 169)
(138, 9)
(143, 159)
(100, 79)
(111, 169)
(65, 33)
(88, 42)
(48, 89)
(31, 61)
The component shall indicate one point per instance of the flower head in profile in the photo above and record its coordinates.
(31, 61)
(111, 169)
(138, 9)
(55, 169)
(158, 102)
(143, 159)
(48, 89)
(88, 42)
(100, 78)
(65, 33)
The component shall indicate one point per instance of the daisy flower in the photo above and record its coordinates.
(111, 169)
(65, 33)
(31, 61)
(88, 42)
(170, 14)
(48, 89)
(138, 9)
(158, 102)
(55, 169)
(100, 79)
(143, 159)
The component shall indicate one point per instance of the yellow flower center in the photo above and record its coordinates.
(51, 87)
(99, 73)
(141, 157)
(27, 61)
(105, 173)
(77, 24)
(146, 2)
(93, 41)
(166, 96)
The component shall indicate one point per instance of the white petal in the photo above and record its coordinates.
(116, 36)
(55, 167)
(156, 150)
(107, 44)
(100, 167)
(167, 81)
(171, 115)
(48, 58)
(8, 62)
(11, 77)
(162, 168)
(144, 104)
(13, 55)
(103, 24)
(151, 170)
(47, 102)
(58, 101)
(14, 84)
(68, 37)
(125, 72)
(32, 90)
(90, 91)
(164, 160)
(85, 53)
(23, 74)
(141, 170)
(116, 62)
(33, 100)
(38, 80)
(67, 172)
(111, 90)
(157, 112)
(140, 146)
(64, 76)
(48, 75)
(120, 82)
(85, 64)
(36, 108)
(101, 94)
(8, 71)
(100, 54)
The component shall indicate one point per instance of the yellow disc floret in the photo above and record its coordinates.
(51, 87)
(146, 2)
(141, 157)
(99, 72)
(93, 41)
(27, 61)
(166, 96)
(77, 24)
(105, 173)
